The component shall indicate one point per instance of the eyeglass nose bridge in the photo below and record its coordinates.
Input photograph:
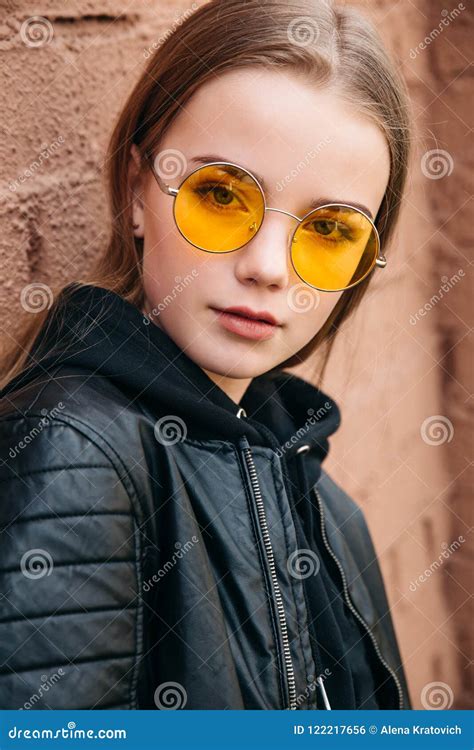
(280, 211)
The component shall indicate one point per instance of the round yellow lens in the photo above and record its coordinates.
(334, 247)
(219, 208)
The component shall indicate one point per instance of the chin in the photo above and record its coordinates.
(231, 367)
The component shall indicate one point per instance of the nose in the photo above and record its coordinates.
(265, 260)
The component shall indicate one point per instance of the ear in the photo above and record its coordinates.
(136, 188)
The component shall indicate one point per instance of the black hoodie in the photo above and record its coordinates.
(96, 331)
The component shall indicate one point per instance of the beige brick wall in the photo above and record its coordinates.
(391, 375)
(388, 375)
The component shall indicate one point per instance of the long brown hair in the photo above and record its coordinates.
(332, 46)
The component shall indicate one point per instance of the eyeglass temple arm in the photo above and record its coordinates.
(381, 260)
(162, 184)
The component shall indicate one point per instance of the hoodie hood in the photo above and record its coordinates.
(95, 330)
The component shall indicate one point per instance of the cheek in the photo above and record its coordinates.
(166, 256)
(309, 310)
(329, 301)
(177, 277)
(313, 305)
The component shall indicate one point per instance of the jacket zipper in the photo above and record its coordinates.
(262, 519)
(349, 602)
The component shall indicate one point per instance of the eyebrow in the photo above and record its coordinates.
(315, 203)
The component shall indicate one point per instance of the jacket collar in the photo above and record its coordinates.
(96, 330)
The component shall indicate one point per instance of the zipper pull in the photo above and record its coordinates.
(241, 413)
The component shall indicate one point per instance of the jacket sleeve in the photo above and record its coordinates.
(68, 571)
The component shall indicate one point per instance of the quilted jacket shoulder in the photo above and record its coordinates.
(69, 558)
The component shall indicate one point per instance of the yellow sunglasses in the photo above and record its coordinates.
(220, 206)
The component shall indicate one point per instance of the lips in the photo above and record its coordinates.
(261, 315)
(247, 323)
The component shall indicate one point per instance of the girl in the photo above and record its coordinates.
(169, 536)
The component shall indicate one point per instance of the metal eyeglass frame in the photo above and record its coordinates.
(380, 260)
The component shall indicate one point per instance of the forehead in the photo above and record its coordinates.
(302, 140)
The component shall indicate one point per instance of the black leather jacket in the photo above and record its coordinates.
(148, 529)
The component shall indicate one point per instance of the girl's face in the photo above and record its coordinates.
(308, 145)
